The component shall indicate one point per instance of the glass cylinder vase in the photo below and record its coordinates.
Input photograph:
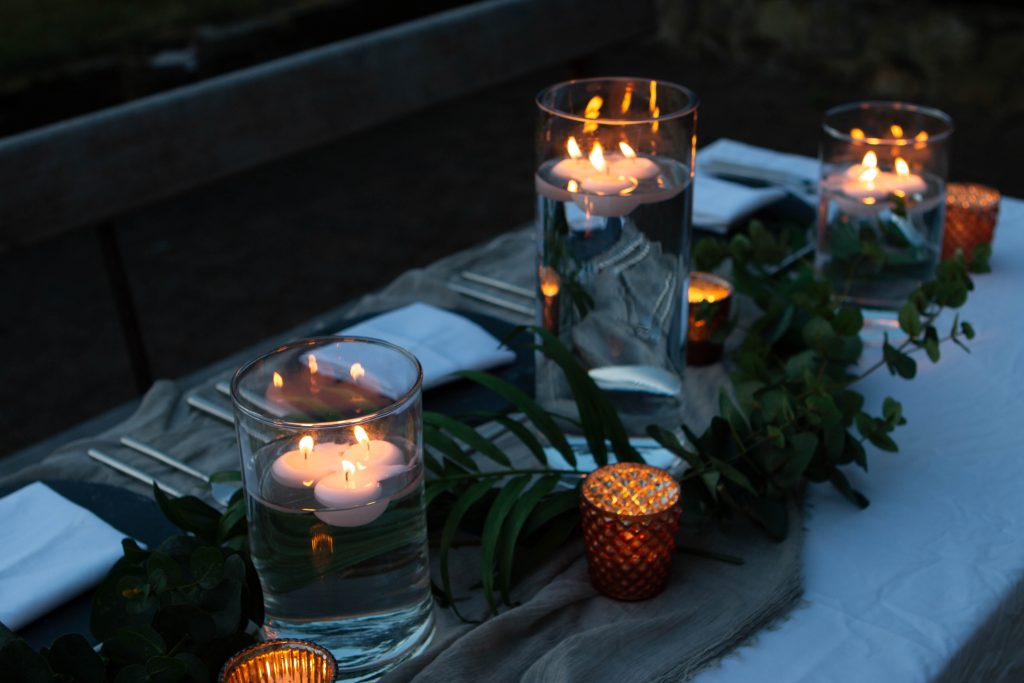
(330, 434)
(882, 200)
(614, 188)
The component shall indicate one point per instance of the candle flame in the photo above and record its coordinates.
(572, 186)
(597, 158)
(627, 151)
(653, 106)
(870, 159)
(356, 371)
(902, 167)
(278, 380)
(656, 112)
(592, 111)
(856, 134)
(361, 435)
(922, 136)
(573, 148)
(896, 130)
(549, 282)
(869, 175)
(627, 98)
(312, 364)
(306, 445)
(348, 468)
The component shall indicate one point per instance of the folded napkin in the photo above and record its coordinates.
(443, 342)
(732, 158)
(717, 204)
(52, 551)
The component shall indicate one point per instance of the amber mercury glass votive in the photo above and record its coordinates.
(709, 297)
(630, 518)
(971, 212)
(280, 661)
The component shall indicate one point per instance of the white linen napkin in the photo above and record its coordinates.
(443, 342)
(798, 174)
(717, 203)
(52, 550)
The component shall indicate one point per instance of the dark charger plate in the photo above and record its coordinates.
(138, 516)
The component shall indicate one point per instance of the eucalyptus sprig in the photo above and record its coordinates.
(793, 412)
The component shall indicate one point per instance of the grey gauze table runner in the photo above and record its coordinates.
(560, 629)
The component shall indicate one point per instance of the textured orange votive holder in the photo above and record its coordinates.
(709, 297)
(630, 518)
(971, 212)
(280, 661)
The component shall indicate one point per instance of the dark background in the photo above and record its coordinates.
(225, 266)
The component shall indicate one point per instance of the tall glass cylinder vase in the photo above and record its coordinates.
(882, 199)
(330, 434)
(614, 186)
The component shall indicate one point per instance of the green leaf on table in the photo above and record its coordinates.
(800, 363)
(842, 484)
(226, 477)
(848, 320)
(134, 644)
(544, 423)
(980, 257)
(466, 435)
(72, 656)
(451, 525)
(516, 520)
(165, 669)
(490, 539)
(732, 474)
(803, 445)
(898, 362)
(207, 566)
(17, 658)
(452, 452)
(910, 319)
(189, 514)
(521, 432)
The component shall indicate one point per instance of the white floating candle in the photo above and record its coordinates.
(352, 497)
(375, 457)
(575, 167)
(866, 181)
(632, 166)
(303, 467)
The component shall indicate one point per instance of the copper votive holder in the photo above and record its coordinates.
(971, 212)
(630, 518)
(709, 297)
(280, 661)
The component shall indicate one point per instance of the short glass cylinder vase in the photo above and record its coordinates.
(882, 200)
(614, 186)
(330, 434)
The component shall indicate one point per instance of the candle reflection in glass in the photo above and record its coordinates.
(709, 297)
(630, 515)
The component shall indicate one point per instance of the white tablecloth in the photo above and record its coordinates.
(894, 592)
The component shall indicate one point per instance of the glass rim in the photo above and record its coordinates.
(692, 101)
(393, 407)
(261, 647)
(891, 105)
